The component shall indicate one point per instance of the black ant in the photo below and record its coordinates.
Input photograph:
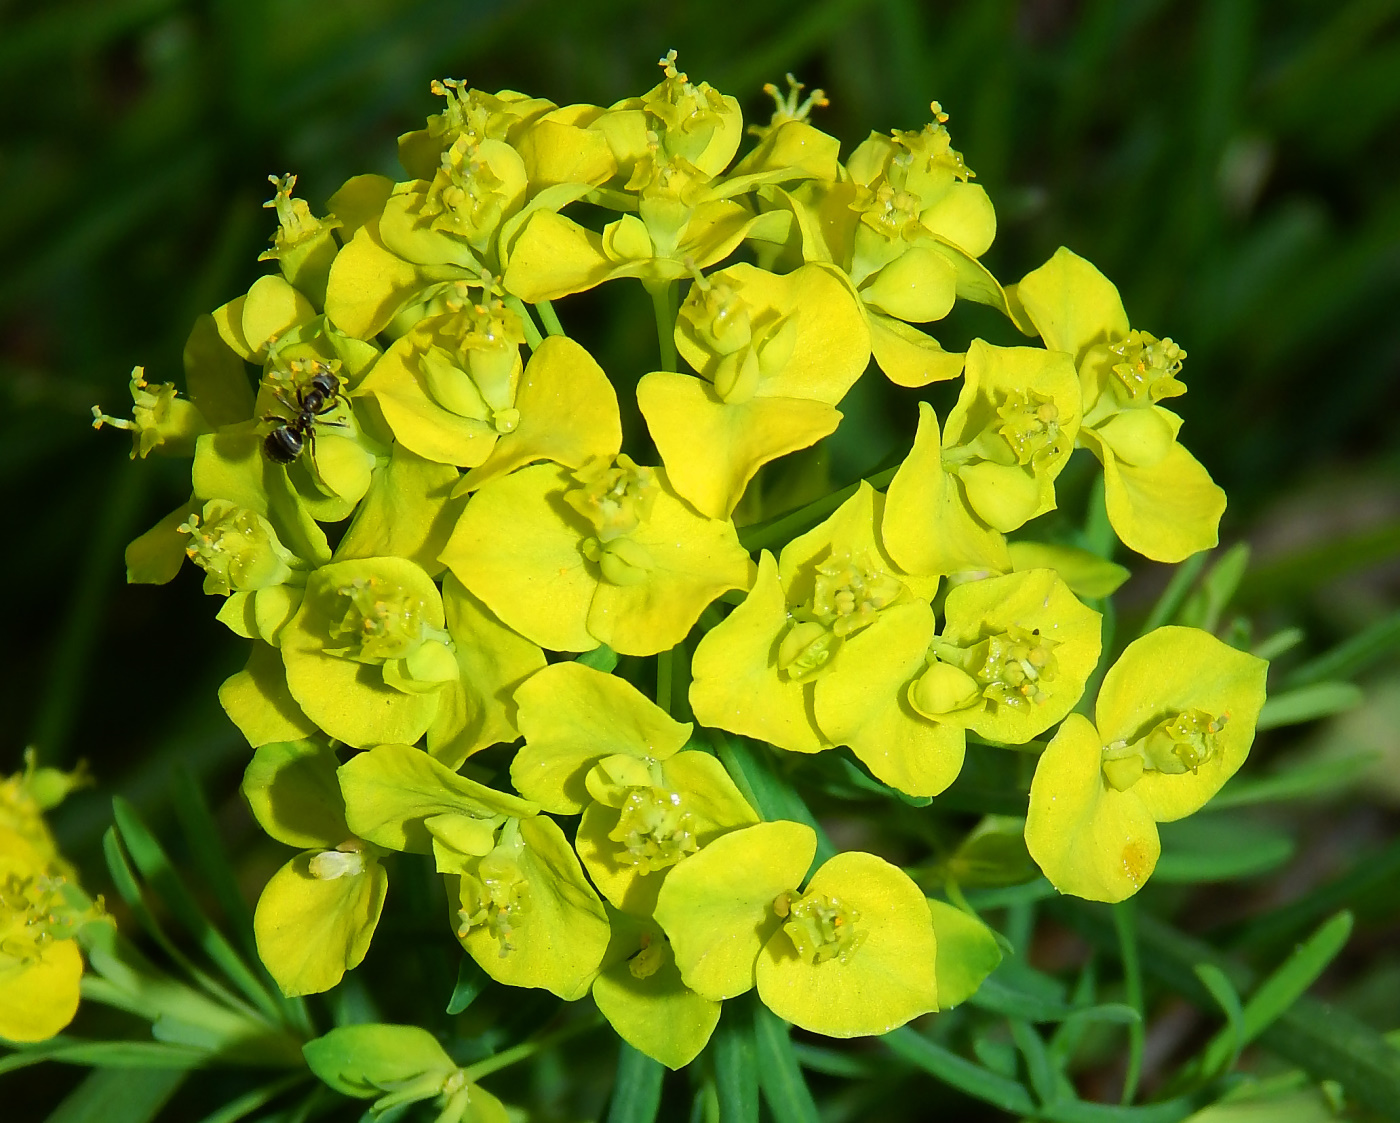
(314, 400)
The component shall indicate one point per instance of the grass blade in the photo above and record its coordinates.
(1351, 656)
(112, 1095)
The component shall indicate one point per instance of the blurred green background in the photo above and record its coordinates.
(1234, 165)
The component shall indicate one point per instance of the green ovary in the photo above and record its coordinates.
(615, 499)
(466, 195)
(655, 829)
(1015, 666)
(1145, 369)
(850, 592)
(497, 897)
(719, 316)
(376, 622)
(1030, 425)
(1175, 745)
(237, 549)
(821, 927)
(648, 960)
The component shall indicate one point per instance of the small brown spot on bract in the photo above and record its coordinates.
(1135, 861)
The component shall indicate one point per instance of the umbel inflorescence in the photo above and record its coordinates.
(410, 490)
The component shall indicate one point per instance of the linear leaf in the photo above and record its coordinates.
(780, 1076)
(1302, 781)
(1352, 655)
(636, 1096)
(736, 1065)
(106, 1054)
(1222, 1050)
(125, 1095)
(1308, 703)
(155, 866)
(947, 1066)
(751, 767)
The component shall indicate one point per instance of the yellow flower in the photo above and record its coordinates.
(607, 553)
(775, 355)
(1174, 720)
(1161, 502)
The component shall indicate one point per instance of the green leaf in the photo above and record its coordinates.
(471, 981)
(1216, 590)
(1351, 656)
(750, 766)
(636, 1094)
(1167, 604)
(779, 1074)
(736, 1063)
(1308, 703)
(996, 996)
(113, 1095)
(1206, 848)
(249, 1102)
(1044, 1079)
(831, 1063)
(1304, 781)
(961, 1074)
(1220, 1054)
(1294, 976)
(151, 860)
(106, 1054)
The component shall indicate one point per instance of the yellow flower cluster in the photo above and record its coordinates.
(41, 909)
(413, 388)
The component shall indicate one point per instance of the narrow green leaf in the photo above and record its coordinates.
(105, 1054)
(1125, 924)
(1317, 1037)
(1217, 589)
(736, 1064)
(636, 1096)
(947, 1066)
(601, 658)
(471, 981)
(1352, 655)
(155, 866)
(249, 1102)
(779, 1075)
(1308, 703)
(202, 834)
(1303, 781)
(1285, 639)
(1038, 890)
(1205, 848)
(1038, 1067)
(996, 996)
(831, 1063)
(750, 765)
(1295, 975)
(1220, 1053)
(112, 1095)
(1175, 592)
(130, 890)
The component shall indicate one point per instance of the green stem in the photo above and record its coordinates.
(1124, 923)
(532, 332)
(785, 526)
(549, 318)
(665, 323)
(665, 669)
(527, 1049)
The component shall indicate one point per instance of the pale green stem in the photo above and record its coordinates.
(532, 332)
(549, 318)
(665, 673)
(1123, 921)
(527, 1049)
(665, 323)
